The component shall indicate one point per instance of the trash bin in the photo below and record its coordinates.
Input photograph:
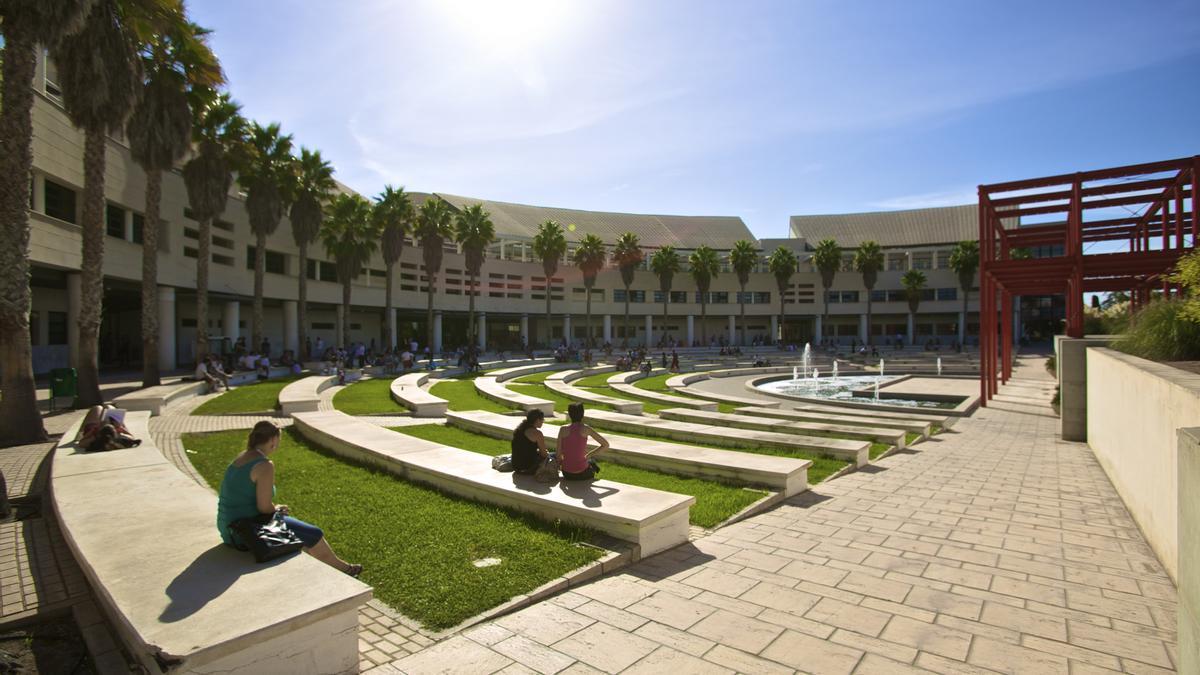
(63, 382)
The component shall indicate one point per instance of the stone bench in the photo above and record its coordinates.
(680, 384)
(557, 382)
(787, 475)
(491, 388)
(859, 431)
(913, 425)
(651, 519)
(154, 399)
(144, 534)
(513, 373)
(857, 452)
(624, 382)
(304, 395)
(407, 391)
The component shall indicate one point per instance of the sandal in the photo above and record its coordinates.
(354, 570)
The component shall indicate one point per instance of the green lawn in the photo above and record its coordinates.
(715, 501)
(535, 377)
(600, 380)
(460, 394)
(415, 543)
(368, 397)
(647, 405)
(659, 383)
(248, 398)
(539, 390)
(822, 467)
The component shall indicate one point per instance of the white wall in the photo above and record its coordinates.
(1135, 408)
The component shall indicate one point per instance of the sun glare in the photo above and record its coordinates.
(507, 25)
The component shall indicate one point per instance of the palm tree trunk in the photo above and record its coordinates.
(589, 315)
(703, 316)
(550, 331)
(666, 297)
(150, 377)
(260, 267)
(473, 337)
(302, 307)
(346, 314)
(625, 341)
(825, 317)
(428, 311)
(91, 276)
(18, 406)
(389, 268)
(782, 318)
(203, 253)
(867, 336)
(743, 315)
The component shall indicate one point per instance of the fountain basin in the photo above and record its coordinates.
(859, 391)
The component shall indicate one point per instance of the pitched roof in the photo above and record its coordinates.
(913, 227)
(522, 220)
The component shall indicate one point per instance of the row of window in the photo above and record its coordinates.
(927, 294)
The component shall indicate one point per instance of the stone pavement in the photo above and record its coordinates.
(992, 548)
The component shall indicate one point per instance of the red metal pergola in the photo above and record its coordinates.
(1148, 214)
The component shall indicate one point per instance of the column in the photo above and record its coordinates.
(481, 328)
(862, 327)
(608, 328)
(567, 329)
(339, 326)
(774, 327)
(74, 295)
(691, 330)
(39, 193)
(233, 317)
(818, 335)
(732, 329)
(649, 331)
(291, 329)
(166, 328)
(525, 330)
(437, 333)
(391, 322)
(912, 329)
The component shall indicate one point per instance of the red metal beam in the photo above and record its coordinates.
(1101, 174)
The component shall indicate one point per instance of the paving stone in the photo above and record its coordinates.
(607, 648)
(617, 591)
(1005, 658)
(852, 617)
(745, 663)
(672, 637)
(546, 623)
(455, 655)
(611, 615)
(667, 660)
(737, 631)
(1125, 645)
(532, 655)
(781, 598)
(928, 637)
(672, 610)
(1024, 621)
(811, 655)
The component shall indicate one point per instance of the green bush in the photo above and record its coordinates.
(1052, 365)
(1160, 332)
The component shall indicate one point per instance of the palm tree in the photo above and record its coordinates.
(704, 267)
(313, 190)
(783, 264)
(742, 258)
(100, 73)
(665, 264)
(590, 258)
(25, 26)
(349, 236)
(159, 133)
(827, 258)
(269, 178)
(549, 245)
(432, 231)
(914, 283)
(474, 232)
(868, 260)
(964, 260)
(219, 131)
(627, 254)
(393, 213)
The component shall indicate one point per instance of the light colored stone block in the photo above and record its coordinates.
(406, 390)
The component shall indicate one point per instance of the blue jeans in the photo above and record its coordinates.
(311, 535)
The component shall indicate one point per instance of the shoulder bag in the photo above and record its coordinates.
(266, 536)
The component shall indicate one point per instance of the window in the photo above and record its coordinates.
(847, 262)
(276, 262)
(634, 296)
(943, 259)
(322, 325)
(923, 261)
(60, 201)
(223, 259)
(139, 225)
(843, 296)
(35, 336)
(879, 296)
(947, 294)
(56, 328)
(895, 262)
(190, 252)
(114, 221)
(317, 269)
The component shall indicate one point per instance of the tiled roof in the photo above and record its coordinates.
(914, 227)
(521, 221)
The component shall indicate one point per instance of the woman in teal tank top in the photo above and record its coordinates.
(248, 490)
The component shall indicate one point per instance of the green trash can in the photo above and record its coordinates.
(63, 382)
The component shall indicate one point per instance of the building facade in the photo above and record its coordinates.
(510, 296)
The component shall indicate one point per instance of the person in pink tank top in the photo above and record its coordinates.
(573, 456)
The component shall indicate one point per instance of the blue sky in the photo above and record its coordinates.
(755, 109)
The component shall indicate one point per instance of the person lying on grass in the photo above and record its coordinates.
(248, 489)
(575, 460)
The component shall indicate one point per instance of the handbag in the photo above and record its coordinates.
(547, 471)
(502, 463)
(266, 536)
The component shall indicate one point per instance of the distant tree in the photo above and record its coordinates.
(964, 260)
(914, 283)
(313, 190)
(350, 236)
(665, 264)
(549, 245)
(393, 214)
(628, 255)
(827, 258)
(474, 232)
(742, 258)
(868, 261)
(1096, 302)
(269, 178)
(432, 230)
(589, 258)
(704, 266)
(783, 264)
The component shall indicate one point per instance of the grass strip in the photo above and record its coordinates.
(416, 544)
(911, 437)
(535, 378)
(248, 398)
(715, 501)
(368, 397)
(462, 395)
(647, 405)
(600, 380)
(546, 393)
(659, 383)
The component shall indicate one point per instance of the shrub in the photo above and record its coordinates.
(1161, 332)
(1052, 365)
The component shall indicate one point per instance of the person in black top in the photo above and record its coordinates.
(528, 443)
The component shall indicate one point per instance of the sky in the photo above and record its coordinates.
(757, 109)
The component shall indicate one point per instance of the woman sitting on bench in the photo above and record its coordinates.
(248, 488)
(528, 443)
(576, 461)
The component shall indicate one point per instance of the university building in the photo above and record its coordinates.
(512, 289)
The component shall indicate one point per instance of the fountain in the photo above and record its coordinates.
(835, 371)
(806, 358)
(881, 367)
(795, 373)
(939, 366)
